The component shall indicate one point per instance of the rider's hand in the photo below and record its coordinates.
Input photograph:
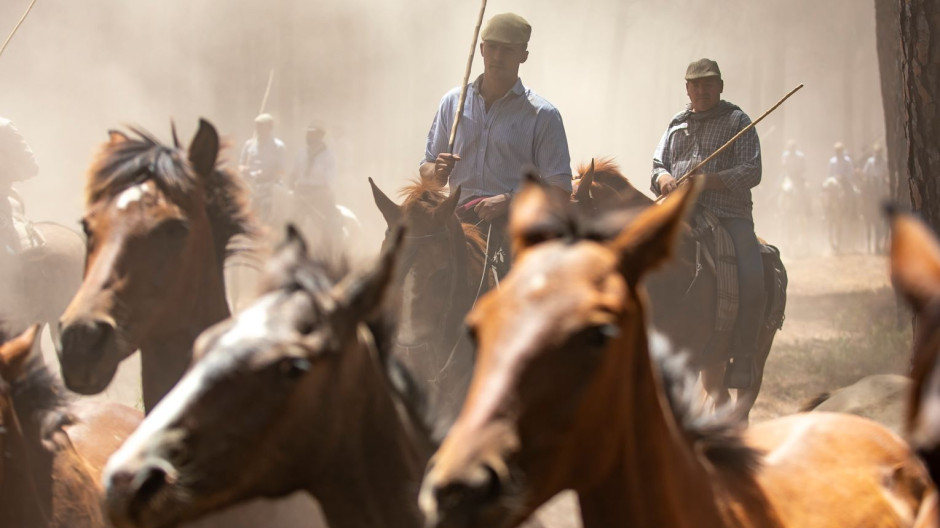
(667, 183)
(444, 165)
(493, 207)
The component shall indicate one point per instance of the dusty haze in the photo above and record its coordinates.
(373, 73)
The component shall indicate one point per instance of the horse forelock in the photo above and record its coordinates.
(143, 158)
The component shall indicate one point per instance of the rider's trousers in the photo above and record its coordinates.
(751, 295)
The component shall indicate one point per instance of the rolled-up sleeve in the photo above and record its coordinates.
(746, 172)
(439, 133)
(661, 162)
(552, 157)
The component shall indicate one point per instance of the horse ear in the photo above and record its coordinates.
(584, 186)
(649, 240)
(915, 261)
(389, 209)
(359, 296)
(535, 216)
(15, 353)
(204, 149)
(116, 137)
(448, 206)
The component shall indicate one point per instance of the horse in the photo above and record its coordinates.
(566, 395)
(41, 280)
(915, 272)
(53, 450)
(442, 274)
(879, 397)
(794, 210)
(158, 223)
(840, 206)
(683, 294)
(298, 389)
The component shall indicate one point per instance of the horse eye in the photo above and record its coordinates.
(293, 368)
(598, 336)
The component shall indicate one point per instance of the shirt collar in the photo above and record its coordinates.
(517, 89)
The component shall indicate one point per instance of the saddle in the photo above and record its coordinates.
(715, 249)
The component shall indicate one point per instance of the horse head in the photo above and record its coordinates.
(276, 397)
(157, 222)
(554, 343)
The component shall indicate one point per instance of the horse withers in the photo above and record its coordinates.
(566, 395)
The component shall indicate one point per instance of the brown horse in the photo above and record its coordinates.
(441, 276)
(290, 394)
(158, 222)
(53, 451)
(683, 294)
(566, 395)
(915, 272)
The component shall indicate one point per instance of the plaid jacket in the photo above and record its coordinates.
(692, 137)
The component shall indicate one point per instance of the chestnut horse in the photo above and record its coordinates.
(441, 276)
(293, 393)
(915, 272)
(158, 221)
(53, 451)
(683, 294)
(566, 395)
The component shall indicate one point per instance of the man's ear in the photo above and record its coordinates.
(525, 57)
(650, 239)
(535, 216)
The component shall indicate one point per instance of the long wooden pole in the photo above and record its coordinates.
(732, 140)
(17, 26)
(466, 80)
(267, 92)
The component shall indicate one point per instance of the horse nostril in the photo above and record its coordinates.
(148, 483)
(477, 491)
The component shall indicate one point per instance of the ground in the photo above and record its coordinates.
(842, 323)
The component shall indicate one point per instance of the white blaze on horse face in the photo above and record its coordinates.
(406, 331)
(252, 323)
(132, 195)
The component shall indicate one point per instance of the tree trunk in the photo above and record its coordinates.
(920, 86)
(887, 18)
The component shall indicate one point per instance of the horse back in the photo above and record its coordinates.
(99, 428)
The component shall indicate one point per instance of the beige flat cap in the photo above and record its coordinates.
(507, 28)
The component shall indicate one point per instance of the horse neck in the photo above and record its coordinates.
(658, 479)
(166, 353)
(371, 479)
(47, 487)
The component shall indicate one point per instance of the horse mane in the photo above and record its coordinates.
(425, 196)
(717, 436)
(143, 158)
(607, 172)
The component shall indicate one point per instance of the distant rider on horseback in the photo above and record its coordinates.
(263, 163)
(693, 134)
(312, 178)
(17, 163)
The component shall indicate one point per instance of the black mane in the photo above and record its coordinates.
(143, 158)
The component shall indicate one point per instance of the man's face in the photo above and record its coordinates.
(264, 130)
(705, 93)
(503, 60)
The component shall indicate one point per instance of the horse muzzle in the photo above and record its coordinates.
(134, 496)
(88, 355)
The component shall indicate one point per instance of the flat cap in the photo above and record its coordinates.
(507, 28)
(702, 68)
(264, 118)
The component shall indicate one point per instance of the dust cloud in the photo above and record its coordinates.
(373, 73)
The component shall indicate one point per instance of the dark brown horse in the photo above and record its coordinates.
(159, 220)
(53, 451)
(441, 275)
(566, 395)
(293, 393)
(683, 294)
